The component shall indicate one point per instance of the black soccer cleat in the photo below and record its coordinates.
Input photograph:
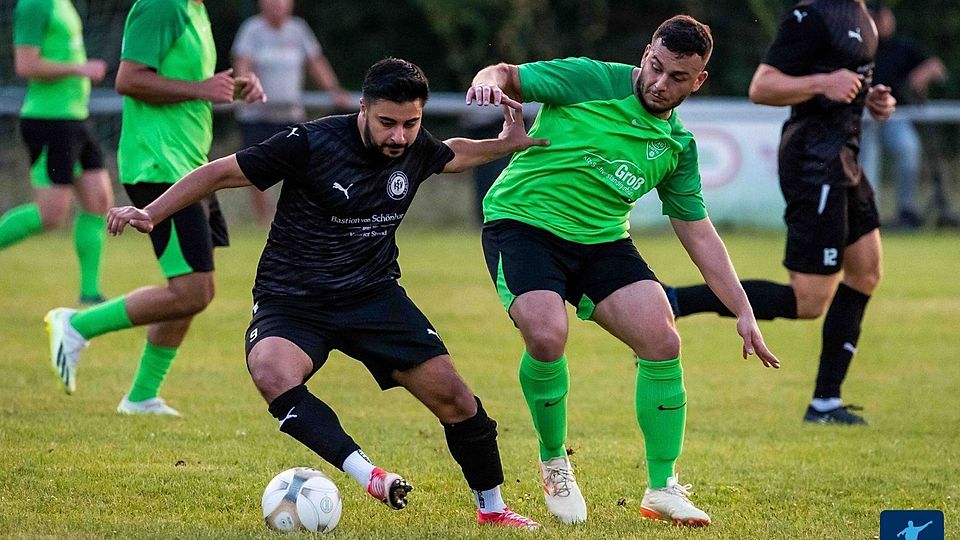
(840, 415)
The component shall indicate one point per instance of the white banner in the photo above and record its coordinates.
(737, 144)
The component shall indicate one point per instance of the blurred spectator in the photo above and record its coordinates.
(908, 70)
(276, 46)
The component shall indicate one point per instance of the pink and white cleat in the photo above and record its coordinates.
(507, 518)
(389, 488)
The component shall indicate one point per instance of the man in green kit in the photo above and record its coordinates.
(556, 223)
(167, 78)
(65, 156)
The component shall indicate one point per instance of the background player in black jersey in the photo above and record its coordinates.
(327, 278)
(821, 64)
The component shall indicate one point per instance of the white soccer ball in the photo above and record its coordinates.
(302, 498)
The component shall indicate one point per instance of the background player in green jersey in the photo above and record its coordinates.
(556, 229)
(167, 78)
(64, 154)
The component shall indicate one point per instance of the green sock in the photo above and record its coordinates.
(662, 413)
(154, 365)
(89, 234)
(19, 223)
(101, 318)
(545, 386)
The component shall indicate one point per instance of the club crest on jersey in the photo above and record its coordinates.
(656, 149)
(398, 185)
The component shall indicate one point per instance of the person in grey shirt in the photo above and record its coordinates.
(276, 46)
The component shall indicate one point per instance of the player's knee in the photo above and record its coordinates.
(454, 403)
(194, 295)
(866, 281)
(666, 347)
(546, 342)
(812, 304)
(53, 216)
(269, 378)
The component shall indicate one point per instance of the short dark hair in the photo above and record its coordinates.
(396, 80)
(684, 35)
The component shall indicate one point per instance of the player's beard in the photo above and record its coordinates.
(654, 108)
(381, 148)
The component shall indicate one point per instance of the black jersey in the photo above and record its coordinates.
(821, 139)
(333, 235)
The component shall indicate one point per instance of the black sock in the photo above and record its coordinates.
(473, 445)
(768, 299)
(314, 424)
(841, 330)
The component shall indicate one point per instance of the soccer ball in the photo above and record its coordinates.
(302, 498)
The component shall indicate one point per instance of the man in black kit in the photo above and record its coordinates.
(821, 64)
(327, 278)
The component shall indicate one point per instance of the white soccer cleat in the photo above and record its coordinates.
(672, 504)
(389, 488)
(561, 492)
(148, 406)
(65, 346)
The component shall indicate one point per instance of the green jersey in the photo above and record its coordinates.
(605, 152)
(161, 143)
(54, 27)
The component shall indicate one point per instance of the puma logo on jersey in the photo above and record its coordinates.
(345, 190)
(855, 34)
(799, 15)
(289, 416)
(293, 132)
(433, 332)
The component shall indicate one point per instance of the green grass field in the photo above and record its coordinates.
(71, 467)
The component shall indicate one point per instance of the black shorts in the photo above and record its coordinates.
(822, 220)
(183, 243)
(523, 258)
(385, 331)
(59, 150)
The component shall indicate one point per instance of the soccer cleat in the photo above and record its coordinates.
(148, 406)
(840, 415)
(672, 504)
(65, 346)
(389, 488)
(561, 492)
(507, 518)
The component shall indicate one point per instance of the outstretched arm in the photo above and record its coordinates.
(28, 64)
(195, 186)
(469, 153)
(770, 86)
(707, 251)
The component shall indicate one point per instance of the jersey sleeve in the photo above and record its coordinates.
(283, 157)
(152, 28)
(30, 20)
(437, 155)
(575, 80)
(802, 38)
(680, 194)
(308, 40)
(244, 44)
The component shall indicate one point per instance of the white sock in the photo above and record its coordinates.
(489, 500)
(826, 404)
(359, 467)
